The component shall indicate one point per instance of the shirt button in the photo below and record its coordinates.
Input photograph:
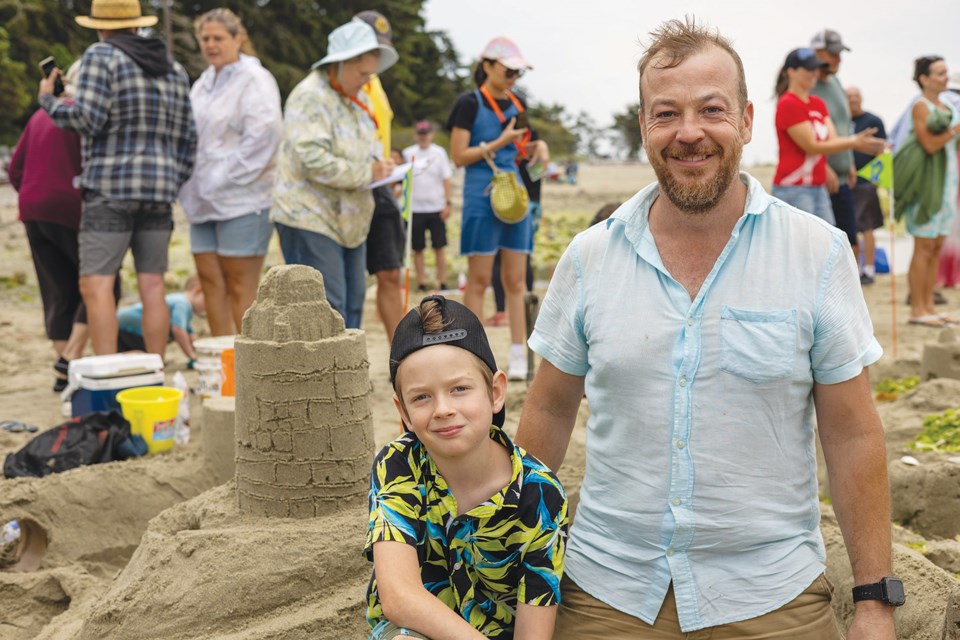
(670, 551)
(676, 502)
(680, 444)
(690, 322)
(458, 565)
(683, 382)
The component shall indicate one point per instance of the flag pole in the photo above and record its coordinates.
(407, 213)
(893, 276)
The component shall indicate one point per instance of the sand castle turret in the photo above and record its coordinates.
(304, 430)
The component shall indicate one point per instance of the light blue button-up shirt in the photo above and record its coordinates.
(701, 465)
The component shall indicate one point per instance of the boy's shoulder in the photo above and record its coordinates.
(538, 477)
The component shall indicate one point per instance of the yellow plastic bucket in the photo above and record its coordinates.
(152, 413)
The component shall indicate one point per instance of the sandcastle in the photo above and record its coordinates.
(277, 552)
(941, 359)
(304, 431)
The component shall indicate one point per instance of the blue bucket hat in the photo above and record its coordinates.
(354, 39)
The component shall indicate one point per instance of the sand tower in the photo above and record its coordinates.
(304, 430)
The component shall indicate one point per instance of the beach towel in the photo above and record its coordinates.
(919, 177)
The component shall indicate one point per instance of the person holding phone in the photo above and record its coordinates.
(236, 104)
(492, 120)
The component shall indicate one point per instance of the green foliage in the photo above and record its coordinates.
(889, 389)
(288, 35)
(941, 432)
(917, 546)
(627, 127)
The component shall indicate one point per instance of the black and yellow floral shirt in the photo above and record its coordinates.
(482, 563)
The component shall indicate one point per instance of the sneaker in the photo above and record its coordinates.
(518, 367)
(866, 279)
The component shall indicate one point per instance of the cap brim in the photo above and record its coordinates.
(110, 25)
(515, 63)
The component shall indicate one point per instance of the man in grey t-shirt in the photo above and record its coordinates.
(841, 175)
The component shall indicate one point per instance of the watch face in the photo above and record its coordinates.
(893, 591)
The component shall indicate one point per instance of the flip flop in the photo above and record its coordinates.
(933, 321)
(15, 426)
(62, 365)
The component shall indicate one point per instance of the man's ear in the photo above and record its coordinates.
(747, 123)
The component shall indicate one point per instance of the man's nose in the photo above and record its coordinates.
(690, 129)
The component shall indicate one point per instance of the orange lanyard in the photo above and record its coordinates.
(338, 89)
(522, 143)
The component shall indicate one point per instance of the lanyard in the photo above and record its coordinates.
(336, 87)
(522, 143)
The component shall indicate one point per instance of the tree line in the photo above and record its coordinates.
(289, 36)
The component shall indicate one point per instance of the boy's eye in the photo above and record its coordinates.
(461, 387)
(418, 397)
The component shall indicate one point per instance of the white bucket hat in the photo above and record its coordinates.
(354, 39)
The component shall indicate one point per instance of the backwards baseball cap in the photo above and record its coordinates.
(830, 40)
(461, 328)
(423, 126)
(803, 58)
(504, 51)
(380, 25)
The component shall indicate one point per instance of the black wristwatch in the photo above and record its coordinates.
(889, 591)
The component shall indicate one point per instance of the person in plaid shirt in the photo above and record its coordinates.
(132, 109)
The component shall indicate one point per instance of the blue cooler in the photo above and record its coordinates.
(95, 381)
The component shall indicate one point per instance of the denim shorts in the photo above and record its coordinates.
(386, 630)
(243, 237)
(484, 234)
(813, 200)
(109, 227)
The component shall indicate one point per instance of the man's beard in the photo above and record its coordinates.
(700, 194)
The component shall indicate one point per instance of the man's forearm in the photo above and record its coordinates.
(549, 414)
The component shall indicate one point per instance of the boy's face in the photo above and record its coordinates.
(449, 406)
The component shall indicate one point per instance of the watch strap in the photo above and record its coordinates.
(868, 592)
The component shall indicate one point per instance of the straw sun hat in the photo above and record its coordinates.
(115, 14)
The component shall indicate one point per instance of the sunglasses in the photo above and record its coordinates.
(511, 73)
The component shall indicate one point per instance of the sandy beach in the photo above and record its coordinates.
(156, 548)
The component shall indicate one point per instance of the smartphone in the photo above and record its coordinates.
(522, 122)
(47, 65)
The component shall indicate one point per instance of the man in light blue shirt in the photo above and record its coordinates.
(708, 322)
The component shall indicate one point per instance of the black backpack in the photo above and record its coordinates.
(91, 439)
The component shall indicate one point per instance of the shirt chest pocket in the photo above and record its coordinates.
(759, 346)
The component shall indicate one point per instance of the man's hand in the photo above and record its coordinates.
(852, 177)
(539, 152)
(872, 621)
(833, 182)
(445, 212)
(46, 85)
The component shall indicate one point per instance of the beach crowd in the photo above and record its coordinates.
(699, 508)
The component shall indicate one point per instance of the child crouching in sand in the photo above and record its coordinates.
(466, 529)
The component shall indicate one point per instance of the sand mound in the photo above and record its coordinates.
(204, 570)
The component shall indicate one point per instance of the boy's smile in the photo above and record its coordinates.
(447, 403)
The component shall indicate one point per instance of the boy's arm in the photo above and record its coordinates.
(405, 601)
(185, 340)
(534, 623)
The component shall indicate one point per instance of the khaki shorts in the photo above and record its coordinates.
(806, 617)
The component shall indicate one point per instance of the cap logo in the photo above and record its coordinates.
(381, 25)
(444, 336)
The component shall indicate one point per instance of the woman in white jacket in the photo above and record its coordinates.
(236, 104)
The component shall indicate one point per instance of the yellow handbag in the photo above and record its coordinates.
(508, 197)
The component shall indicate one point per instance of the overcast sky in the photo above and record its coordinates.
(585, 52)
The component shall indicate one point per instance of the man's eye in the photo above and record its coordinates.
(713, 110)
(664, 114)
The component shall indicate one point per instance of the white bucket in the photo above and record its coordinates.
(208, 364)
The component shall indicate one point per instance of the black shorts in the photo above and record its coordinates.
(867, 205)
(843, 212)
(438, 231)
(385, 239)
